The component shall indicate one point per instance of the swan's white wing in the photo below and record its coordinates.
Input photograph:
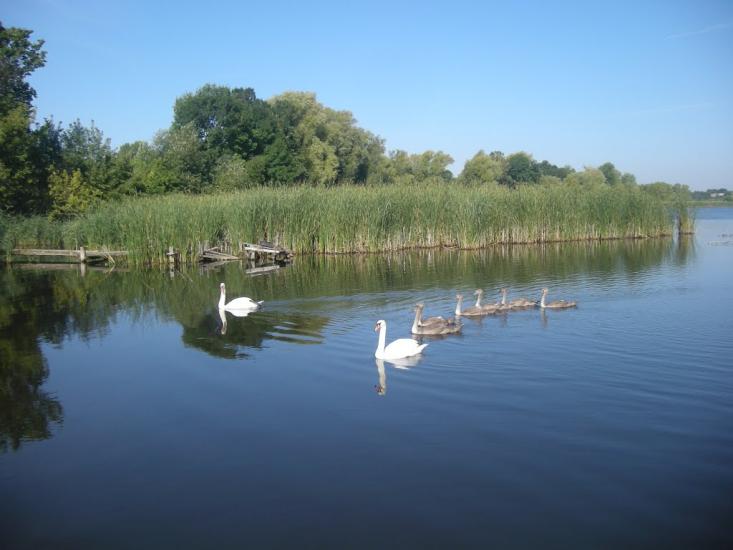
(404, 347)
(242, 303)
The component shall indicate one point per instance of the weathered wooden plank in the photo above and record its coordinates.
(65, 252)
(44, 252)
(214, 255)
(66, 266)
(263, 250)
(112, 253)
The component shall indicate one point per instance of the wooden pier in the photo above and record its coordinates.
(82, 255)
(262, 252)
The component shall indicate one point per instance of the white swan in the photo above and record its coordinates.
(404, 347)
(238, 304)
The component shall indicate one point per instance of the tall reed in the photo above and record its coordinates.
(356, 219)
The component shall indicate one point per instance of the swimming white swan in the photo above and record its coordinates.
(557, 304)
(433, 325)
(404, 347)
(238, 304)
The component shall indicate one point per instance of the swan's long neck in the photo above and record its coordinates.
(478, 299)
(382, 338)
(458, 305)
(503, 297)
(222, 298)
(418, 319)
(542, 301)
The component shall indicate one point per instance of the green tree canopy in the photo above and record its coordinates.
(19, 57)
(23, 176)
(521, 168)
(483, 168)
(227, 121)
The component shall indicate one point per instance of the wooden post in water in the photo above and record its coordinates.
(82, 254)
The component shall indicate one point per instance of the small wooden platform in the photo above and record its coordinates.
(81, 255)
(249, 251)
(215, 255)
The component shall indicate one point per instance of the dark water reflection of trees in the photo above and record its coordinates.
(47, 306)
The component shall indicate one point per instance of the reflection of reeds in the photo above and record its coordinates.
(356, 219)
(685, 218)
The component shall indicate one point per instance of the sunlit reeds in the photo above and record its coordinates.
(353, 219)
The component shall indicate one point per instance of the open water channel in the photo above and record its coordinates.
(131, 416)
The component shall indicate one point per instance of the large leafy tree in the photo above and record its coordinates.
(227, 121)
(483, 168)
(25, 153)
(19, 57)
(548, 169)
(326, 144)
(521, 168)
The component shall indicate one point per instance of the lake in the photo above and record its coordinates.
(133, 416)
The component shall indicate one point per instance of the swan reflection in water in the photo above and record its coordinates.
(405, 363)
(235, 312)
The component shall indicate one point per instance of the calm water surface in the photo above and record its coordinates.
(131, 416)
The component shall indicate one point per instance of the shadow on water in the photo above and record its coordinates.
(49, 306)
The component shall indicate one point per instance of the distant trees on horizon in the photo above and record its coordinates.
(223, 139)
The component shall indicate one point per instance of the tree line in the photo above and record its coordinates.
(221, 139)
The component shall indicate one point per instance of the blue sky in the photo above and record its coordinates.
(645, 85)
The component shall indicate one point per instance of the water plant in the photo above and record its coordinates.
(353, 218)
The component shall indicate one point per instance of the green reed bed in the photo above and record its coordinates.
(353, 219)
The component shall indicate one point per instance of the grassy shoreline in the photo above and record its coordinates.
(352, 219)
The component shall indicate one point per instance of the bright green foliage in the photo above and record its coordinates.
(71, 194)
(677, 196)
(613, 176)
(550, 180)
(230, 174)
(133, 169)
(329, 145)
(548, 169)
(16, 170)
(667, 192)
(404, 168)
(87, 151)
(19, 57)
(483, 168)
(22, 172)
(520, 168)
(181, 163)
(227, 120)
(432, 164)
(590, 177)
(226, 139)
(354, 218)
